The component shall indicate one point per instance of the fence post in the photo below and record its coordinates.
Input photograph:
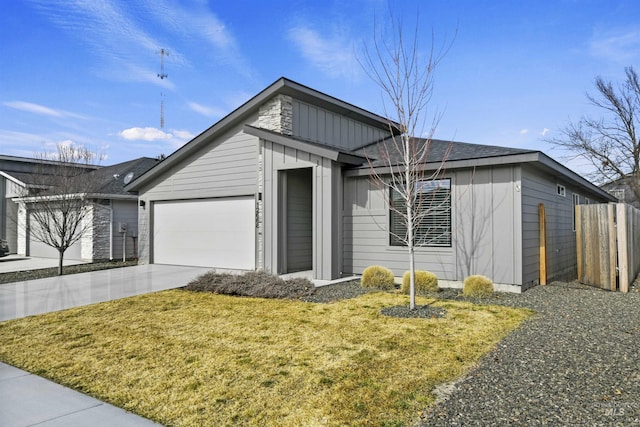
(579, 255)
(623, 258)
(611, 224)
(543, 244)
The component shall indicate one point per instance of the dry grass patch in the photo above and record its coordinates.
(192, 359)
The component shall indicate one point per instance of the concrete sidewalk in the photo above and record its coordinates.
(27, 399)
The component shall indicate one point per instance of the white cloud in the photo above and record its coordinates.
(176, 137)
(39, 109)
(333, 55)
(544, 132)
(184, 135)
(618, 46)
(205, 110)
(144, 134)
(524, 131)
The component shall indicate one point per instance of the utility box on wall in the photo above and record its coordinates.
(122, 227)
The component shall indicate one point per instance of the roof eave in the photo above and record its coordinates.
(288, 141)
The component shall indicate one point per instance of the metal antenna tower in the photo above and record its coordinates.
(162, 75)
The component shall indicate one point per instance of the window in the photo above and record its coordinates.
(433, 215)
(561, 191)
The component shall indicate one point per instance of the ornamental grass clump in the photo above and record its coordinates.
(376, 276)
(425, 281)
(477, 286)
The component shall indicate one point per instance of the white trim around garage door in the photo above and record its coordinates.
(217, 233)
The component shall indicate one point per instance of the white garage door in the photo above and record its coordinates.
(217, 233)
(39, 249)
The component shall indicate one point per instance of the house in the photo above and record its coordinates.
(283, 184)
(17, 177)
(113, 229)
(622, 190)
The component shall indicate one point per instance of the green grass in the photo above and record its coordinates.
(191, 359)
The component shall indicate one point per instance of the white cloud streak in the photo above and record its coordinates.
(333, 55)
(127, 36)
(40, 109)
(205, 110)
(617, 46)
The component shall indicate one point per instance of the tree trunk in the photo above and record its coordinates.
(60, 258)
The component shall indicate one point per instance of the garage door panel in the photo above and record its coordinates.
(217, 233)
(40, 249)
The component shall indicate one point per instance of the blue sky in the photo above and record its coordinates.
(85, 72)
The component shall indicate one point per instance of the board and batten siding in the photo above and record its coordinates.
(326, 193)
(317, 124)
(225, 167)
(485, 228)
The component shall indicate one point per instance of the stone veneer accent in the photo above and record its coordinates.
(277, 115)
(101, 231)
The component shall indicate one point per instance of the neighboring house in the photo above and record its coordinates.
(621, 189)
(282, 184)
(113, 216)
(18, 176)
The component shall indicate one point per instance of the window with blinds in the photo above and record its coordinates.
(432, 215)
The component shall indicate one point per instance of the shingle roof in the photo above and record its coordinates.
(111, 178)
(438, 151)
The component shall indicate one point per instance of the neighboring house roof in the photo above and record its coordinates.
(17, 159)
(111, 179)
(23, 179)
(282, 86)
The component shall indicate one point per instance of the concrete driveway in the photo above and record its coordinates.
(12, 263)
(23, 299)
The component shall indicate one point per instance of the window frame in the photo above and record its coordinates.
(396, 242)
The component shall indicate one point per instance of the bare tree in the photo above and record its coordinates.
(58, 202)
(412, 193)
(609, 143)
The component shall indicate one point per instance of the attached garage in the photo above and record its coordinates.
(217, 233)
(39, 249)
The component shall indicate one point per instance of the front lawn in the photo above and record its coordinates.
(193, 359)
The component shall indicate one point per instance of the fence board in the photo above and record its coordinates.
(608, 245)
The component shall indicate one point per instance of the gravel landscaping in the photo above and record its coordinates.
(20, 276)
(575, 363)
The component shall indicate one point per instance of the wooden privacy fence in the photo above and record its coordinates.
(608, 245)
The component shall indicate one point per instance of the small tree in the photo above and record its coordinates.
(610, 143)
(58, 201)
(398, 167)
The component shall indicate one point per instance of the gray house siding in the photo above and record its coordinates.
(125, 212)
(320, 125)
(485, 206)
(326, 179)
(540, 187)
(225, 167)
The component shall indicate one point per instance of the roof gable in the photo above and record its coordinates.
(281, 86)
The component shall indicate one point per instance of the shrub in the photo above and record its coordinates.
(477, 286)
(259, 284)
(376, 276)
(425, 281)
